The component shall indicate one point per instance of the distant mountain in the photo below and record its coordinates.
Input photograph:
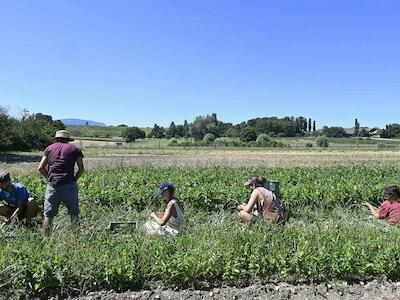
(82, 122)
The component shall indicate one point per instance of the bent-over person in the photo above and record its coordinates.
(18, 204)
(262, 202)
(57, 166)
(390, 207)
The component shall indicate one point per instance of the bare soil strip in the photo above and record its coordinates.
(341, 290)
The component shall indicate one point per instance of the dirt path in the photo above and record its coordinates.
(370, 290)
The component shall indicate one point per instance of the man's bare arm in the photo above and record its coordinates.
(81, 168)
(42, 167)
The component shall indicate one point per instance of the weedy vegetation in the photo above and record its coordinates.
(329, 235)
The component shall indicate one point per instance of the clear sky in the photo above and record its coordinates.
(141, 62)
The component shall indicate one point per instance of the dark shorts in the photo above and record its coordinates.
(67, 194)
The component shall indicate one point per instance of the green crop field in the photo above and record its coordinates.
(329, 234)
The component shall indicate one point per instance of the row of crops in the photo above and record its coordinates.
(329, 236)
(213, 188)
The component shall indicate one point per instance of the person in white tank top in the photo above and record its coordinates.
(170, 220)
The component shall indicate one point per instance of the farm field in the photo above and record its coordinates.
(184, 150)
(329, 235)
(100, 158)
(292, 142)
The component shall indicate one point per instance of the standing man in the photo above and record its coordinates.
(57, 166)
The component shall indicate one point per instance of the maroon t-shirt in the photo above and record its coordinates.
(61, 159)
(391, 211)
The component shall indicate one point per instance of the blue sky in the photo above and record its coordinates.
(144, 62)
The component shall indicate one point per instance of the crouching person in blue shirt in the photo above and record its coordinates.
(18, 204)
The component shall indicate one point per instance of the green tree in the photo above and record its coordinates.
(157, 132)
(274, 126)
(356, 127)
(232, 132)
(42, 117)
(335, 132)
(363, 132)
(248, 134)
(301, 125)
(59, 125)
(131, 134)
(186, 129)
(309, 125)
(29, 132)
(179, 131)
(391, 130)
(6, 134)
(205, 124)
(172, 131)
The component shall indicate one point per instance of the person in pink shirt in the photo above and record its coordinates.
(390, 208)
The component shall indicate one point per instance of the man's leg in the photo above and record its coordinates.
(51, 204)
(47, 222)
(71, 201)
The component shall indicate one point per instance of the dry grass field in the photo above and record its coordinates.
(26, 163)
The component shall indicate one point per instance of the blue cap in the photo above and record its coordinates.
(165, 185)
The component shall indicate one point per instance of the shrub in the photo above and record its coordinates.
(173, 142)
(223, 142)
(264, 139)
(322, 141)
(309, 145)
(209, 138)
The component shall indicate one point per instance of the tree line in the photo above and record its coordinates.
(35, 131)
(391, 130)
(28, 132)
(210, 127)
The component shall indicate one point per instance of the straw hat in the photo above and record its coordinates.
(64, 134)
